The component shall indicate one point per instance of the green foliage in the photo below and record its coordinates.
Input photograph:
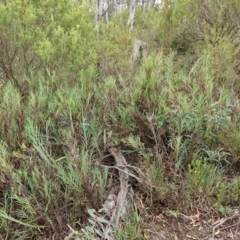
(228, 195)
(114, 49)
(11, 117)
(231, 139)
(132, 228)
(203, 177)
(91, 231)
(48, 34)
(148, 26)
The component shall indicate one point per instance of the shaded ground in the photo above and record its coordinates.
(203, 225)
(195, 224)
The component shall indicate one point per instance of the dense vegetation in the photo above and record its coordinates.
(68, 90)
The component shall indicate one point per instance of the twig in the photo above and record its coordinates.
(118, 211)
(72, 234)
(98, 160)
(222, 222)
(119, 168)
(125, 170)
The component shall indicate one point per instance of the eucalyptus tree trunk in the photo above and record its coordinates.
(120, 8)
(131, 14)
(152, 3)
(105, 8)
(102, 10)
(96, 18)
(120, 5)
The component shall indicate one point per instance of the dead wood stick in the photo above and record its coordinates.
(222, 222)
(122, 195)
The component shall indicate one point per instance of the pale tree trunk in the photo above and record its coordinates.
(152, 3)
(120, 8)
(115, 7)
(131, 14)
(102, 9)
(105, 9)
(96, 18)
(140, 52)
(145, 5)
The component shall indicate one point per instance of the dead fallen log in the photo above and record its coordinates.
(122, 200)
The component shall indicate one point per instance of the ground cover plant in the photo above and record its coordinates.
(81, 127)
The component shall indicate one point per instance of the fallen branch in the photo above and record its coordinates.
(121, 202)
(222, 221)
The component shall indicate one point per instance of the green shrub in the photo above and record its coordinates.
(203, 177)
(35, 37)
(228, 195)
